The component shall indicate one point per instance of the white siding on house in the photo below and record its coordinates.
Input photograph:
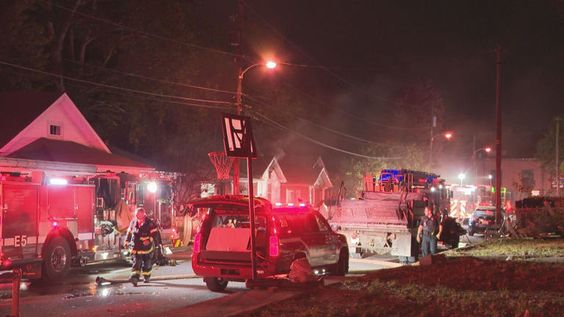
(72, 127)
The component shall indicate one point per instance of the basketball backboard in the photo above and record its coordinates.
(238, 136)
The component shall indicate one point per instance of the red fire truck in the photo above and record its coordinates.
(55, 215)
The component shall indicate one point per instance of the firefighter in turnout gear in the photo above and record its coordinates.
(143, 234)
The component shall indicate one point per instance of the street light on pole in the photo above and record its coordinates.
(447, 135)
(239, 102)
(461, 176)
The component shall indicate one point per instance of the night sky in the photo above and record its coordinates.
(352, 59)
(371, 48)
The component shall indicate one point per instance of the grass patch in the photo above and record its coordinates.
(462, 286)
(519, 248)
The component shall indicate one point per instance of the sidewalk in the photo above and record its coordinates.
(377, 261)
(246, 301)
(181, 253)
(234, 304)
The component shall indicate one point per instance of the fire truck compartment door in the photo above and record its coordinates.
(19, 220)
(84, 202)
(61, 202)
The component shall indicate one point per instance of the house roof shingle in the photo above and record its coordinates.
(70, 152)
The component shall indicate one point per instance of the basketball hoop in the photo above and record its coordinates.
(222, 164)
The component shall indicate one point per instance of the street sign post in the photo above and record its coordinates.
(239, 142)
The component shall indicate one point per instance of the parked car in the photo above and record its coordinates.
(482, 219)
(283, 234)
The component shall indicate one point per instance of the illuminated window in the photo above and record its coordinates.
(54, 129)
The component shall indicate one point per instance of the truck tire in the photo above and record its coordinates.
(56, 260)
(343, 264)
(215, 284)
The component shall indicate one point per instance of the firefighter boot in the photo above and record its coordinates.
(147, 279)
(134, 280)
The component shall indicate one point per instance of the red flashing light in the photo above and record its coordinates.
(273, 247)
(6, 263)
(197, 242)
(55, 224)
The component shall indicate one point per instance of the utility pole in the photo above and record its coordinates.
(474, 166)
(238, 42)
(557, 146)
(498, 137)
(433, 126)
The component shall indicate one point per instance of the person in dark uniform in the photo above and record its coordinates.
(427, 233)
(144, 234)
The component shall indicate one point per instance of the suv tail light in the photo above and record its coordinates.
(273, 246)
(197, 242)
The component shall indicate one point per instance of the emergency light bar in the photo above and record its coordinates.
(58, 181)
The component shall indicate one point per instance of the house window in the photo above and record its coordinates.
(54, 129)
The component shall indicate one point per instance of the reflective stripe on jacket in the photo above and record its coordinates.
(144, 236)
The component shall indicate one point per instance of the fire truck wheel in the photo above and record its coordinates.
(342, 267)
(215, 284)
(56, 260)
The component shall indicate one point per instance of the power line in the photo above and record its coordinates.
(114, 87)
(283, 127)
(156, 79)
(181, 103)
(160, 37)
(359, 139)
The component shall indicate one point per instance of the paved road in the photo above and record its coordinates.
(80, 296)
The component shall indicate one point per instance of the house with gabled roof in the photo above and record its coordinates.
(44, 136)
(49, 127)
(294, 180)
(282, 180)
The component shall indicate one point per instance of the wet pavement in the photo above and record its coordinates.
(79, 295)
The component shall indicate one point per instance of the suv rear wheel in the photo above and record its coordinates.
(342, 267)
(215, 284)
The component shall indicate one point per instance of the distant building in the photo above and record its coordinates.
(522, 177)
(294, 180)
(287, 180)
